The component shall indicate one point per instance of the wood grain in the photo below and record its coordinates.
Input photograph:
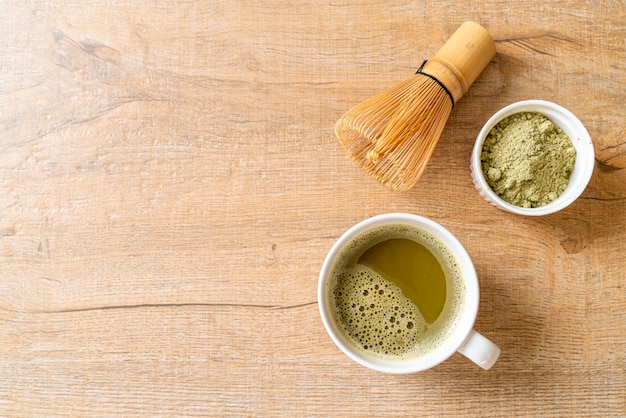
(170, 184)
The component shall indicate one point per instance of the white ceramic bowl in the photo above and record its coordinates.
(581, 141)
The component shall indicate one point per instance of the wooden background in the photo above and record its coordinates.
(170, 184)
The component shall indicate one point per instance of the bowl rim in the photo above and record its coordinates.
(583, 169)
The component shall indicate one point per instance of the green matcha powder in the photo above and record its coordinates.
(527, 160)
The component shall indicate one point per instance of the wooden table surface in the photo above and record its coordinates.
(170, 184)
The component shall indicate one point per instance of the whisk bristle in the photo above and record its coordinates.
(392, 135)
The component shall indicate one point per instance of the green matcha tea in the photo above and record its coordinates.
(414, 269)
(396, 292)
(527, 160)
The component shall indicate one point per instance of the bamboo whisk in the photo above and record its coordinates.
(393, 134)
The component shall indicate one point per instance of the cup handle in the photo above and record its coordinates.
(480, 350)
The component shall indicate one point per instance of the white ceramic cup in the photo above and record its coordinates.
(463, 338)
(569, 123)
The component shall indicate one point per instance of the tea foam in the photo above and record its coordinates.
(375, 315)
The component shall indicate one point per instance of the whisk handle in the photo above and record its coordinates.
(462, 58)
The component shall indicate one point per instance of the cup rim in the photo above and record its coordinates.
(466, 319)
(579, 136)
